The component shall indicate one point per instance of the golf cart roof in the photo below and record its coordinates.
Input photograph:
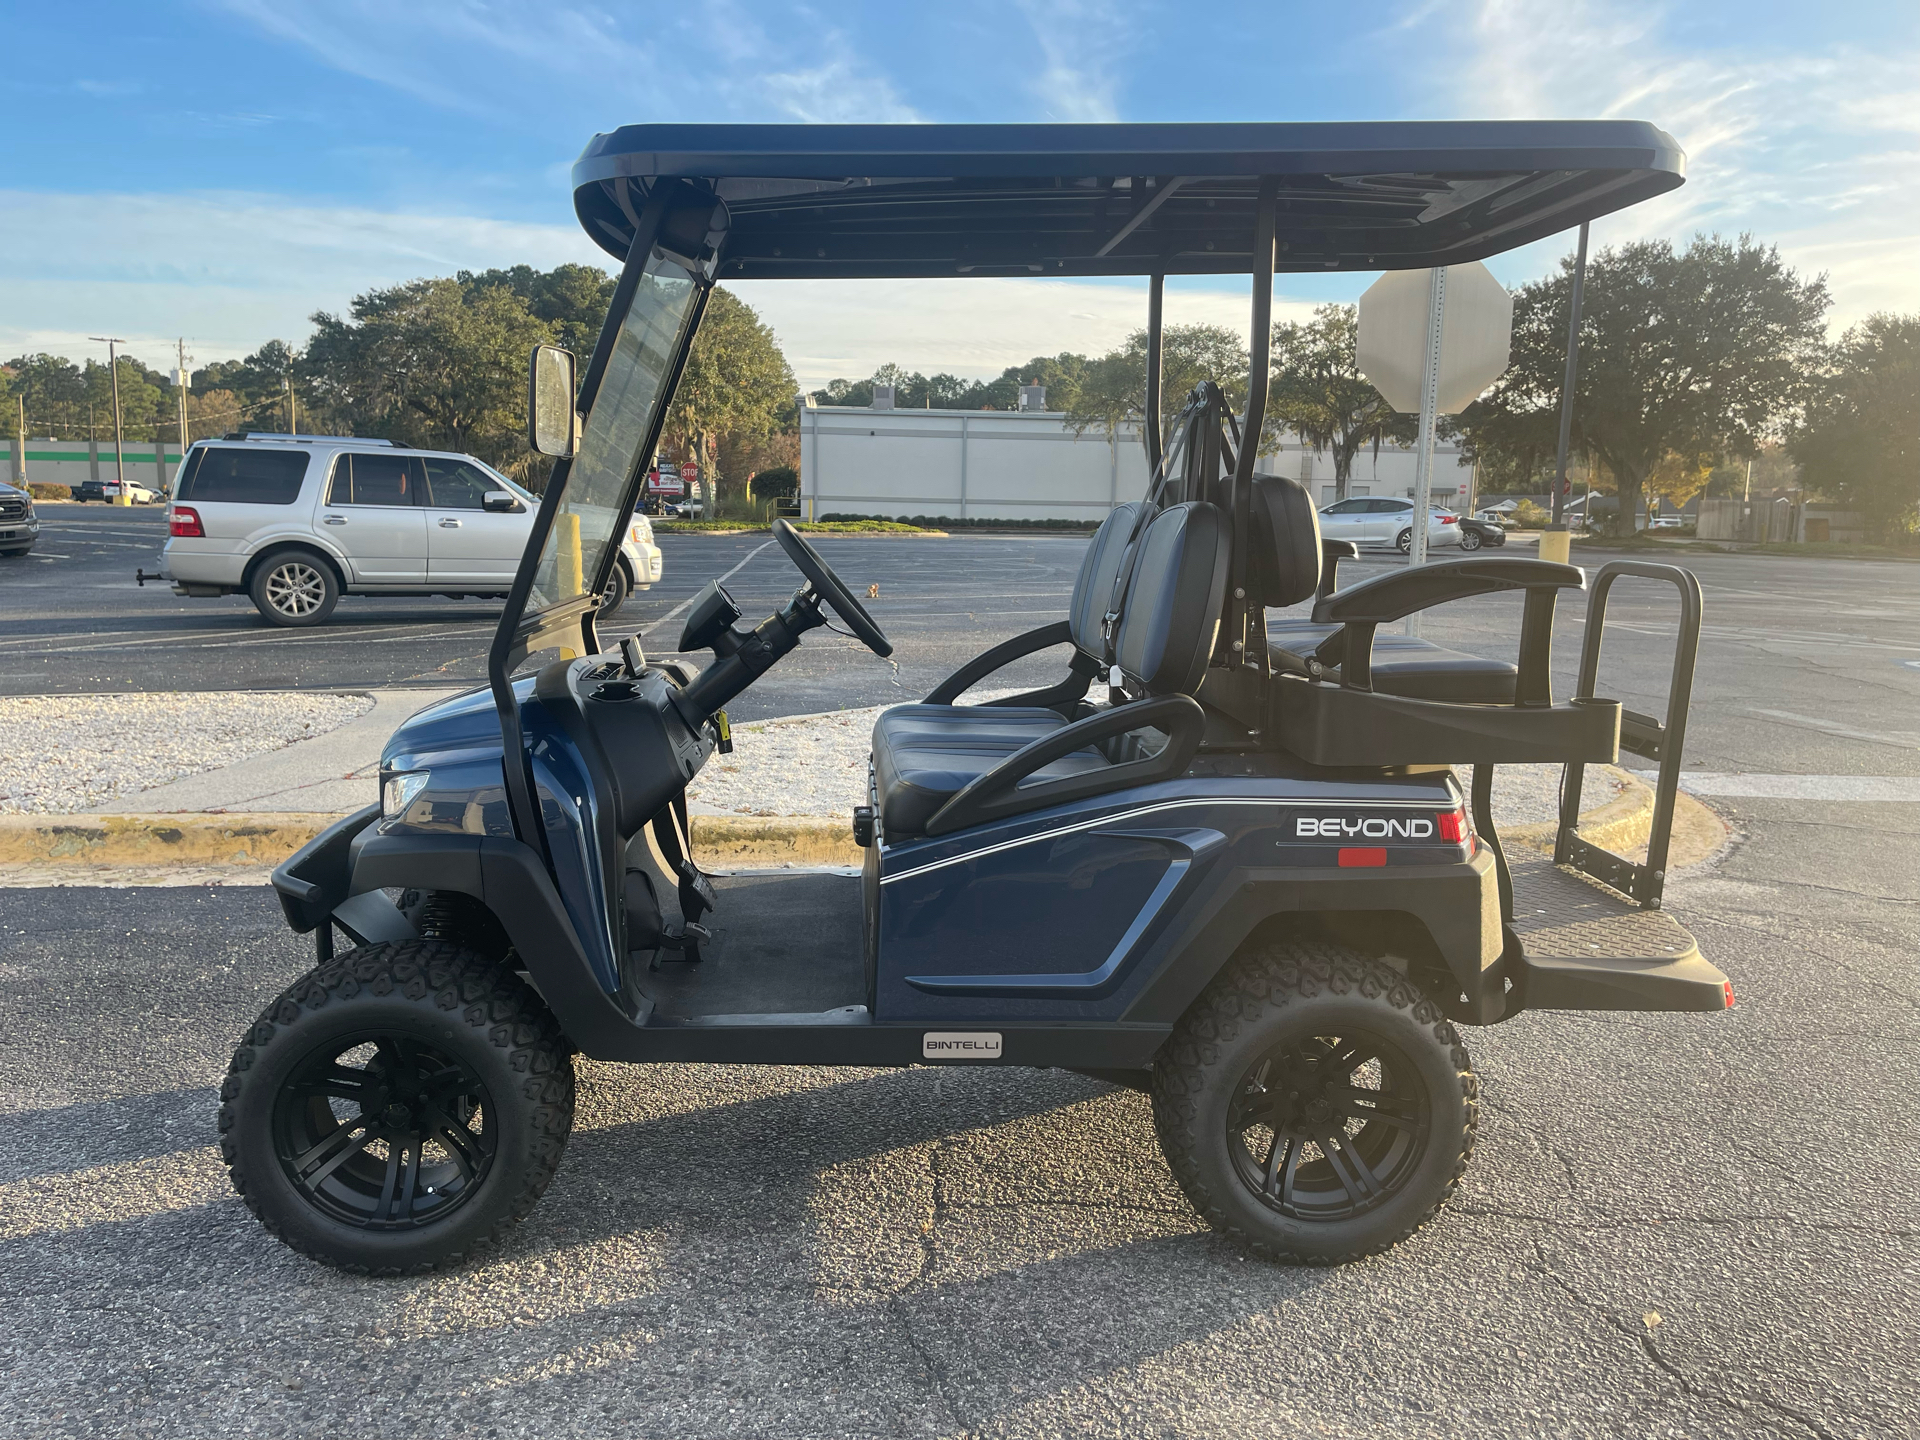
(936, 200)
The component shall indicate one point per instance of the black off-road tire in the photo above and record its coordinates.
(1291, 994)
(433, 998)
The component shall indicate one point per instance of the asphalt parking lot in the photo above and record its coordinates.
(1686, 1226)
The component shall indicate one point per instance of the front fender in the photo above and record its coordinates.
(337, 877)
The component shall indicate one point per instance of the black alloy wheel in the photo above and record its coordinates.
(1327, 1127)
(1315, 1104)
(383, 1131)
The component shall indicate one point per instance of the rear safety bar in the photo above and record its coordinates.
(1660, 740)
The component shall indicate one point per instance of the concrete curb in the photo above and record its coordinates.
(105, 845)
(109, 841)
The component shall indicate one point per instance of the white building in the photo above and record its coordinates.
(1030, 465)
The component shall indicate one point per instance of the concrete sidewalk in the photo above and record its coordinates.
(329, 774)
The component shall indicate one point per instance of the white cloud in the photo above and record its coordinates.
(1816, 149)
(227, 270)
(970, 328)
(1083, 43)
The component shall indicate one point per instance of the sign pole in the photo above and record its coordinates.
(1555, 548)
(1429, 405)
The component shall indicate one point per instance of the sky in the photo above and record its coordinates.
(220, 170)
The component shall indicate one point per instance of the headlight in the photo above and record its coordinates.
(397, 791)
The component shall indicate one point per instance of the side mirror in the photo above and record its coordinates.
(552, 428)
(501, 502)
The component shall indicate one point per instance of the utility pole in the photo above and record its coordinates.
(293, 418)
(180, 392)
(119, 448)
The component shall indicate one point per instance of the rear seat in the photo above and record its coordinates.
(924, 756)
(1287, 535)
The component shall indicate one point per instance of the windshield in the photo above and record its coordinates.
(618, 428)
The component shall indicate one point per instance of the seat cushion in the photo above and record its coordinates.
(1420, 670)
(922, 761)
(964, 721)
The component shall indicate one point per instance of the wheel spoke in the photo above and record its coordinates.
(1359, 1182)
(336, 1080)
(1349, 1055)
(411, 1179)
(357, 1137)
(1290, 1172)
(387, 1186)
(458, 1141)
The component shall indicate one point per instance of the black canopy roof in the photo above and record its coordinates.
(927, 200)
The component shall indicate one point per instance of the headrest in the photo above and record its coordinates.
(1284, 561)
(1173, 605)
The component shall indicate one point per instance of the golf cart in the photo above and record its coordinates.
(1239, 872)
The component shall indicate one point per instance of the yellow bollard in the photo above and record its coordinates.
(571, 583)
(1556, 545)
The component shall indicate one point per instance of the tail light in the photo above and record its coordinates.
(1449, 519)
(184, 523)
(1454, 825)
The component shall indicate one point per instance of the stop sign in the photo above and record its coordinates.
(689, 472)
(1475, 335)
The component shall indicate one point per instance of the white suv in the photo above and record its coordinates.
(297, 521)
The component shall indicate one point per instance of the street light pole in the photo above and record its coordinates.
(1556, 547)
(119, 449)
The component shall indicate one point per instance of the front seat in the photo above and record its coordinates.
(1162, 644)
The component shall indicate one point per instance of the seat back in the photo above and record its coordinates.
(1285, 556)
(1099, 571)
(1172, 611)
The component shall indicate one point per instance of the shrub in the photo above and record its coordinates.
(775, 483)
(1529, 516)
(47, 490)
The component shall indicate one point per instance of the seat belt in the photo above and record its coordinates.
(674, 835)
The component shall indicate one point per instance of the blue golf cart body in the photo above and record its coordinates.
(1069, 876)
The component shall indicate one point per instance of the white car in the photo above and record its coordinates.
(1382, 520)
(294, 522)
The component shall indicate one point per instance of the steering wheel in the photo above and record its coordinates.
(831, 588)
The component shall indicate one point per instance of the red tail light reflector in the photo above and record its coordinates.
(1363, 855)
(184, 523)
(1452, 825)
(1727, 985)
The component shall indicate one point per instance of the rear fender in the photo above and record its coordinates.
(1452, 915)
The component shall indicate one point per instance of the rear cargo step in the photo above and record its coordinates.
(1586, 947)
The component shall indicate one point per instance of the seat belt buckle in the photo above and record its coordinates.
(722, 733)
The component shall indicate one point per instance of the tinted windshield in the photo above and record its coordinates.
(617, 429)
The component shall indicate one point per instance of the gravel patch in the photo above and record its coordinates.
(817, 765)
(73, 752)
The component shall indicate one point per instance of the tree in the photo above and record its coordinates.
(736, 385)
(1061, 374)
(1113, 389)
(54, 391)
(1688, 354)
(1860, 440)
(572, 299)
(433, 363)
(1318, 393)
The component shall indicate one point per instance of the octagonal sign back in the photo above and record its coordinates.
(1476, 335)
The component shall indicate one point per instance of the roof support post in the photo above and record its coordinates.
(1156, 297)
(1247, 621)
